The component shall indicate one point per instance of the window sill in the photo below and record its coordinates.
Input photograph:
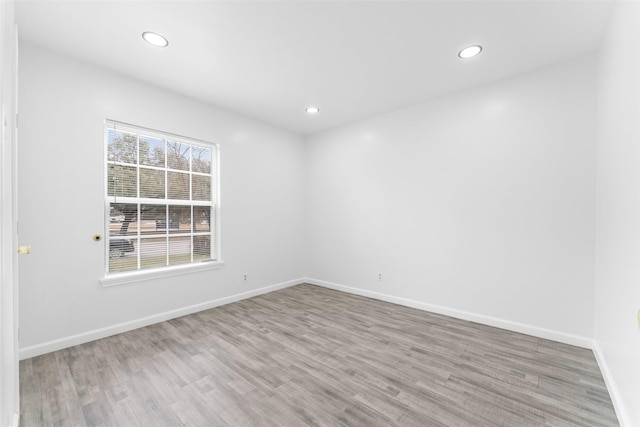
(139, 276)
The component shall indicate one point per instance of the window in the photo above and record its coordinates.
(161, 199)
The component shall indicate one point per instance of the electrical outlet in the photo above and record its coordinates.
(638, 319)
(245, 277)
(379, 277)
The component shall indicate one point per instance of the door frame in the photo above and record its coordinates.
(9, 362)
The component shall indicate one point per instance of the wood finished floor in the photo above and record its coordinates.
(311, 356)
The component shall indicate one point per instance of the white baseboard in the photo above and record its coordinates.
(576, 340)
(623, 418)
(47, 347)
(16, 419)
(465, 315)
(535, 331)
(54, 345)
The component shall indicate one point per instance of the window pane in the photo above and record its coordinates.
(212, 236)
(201, 159)
(152, 183)
(201, 248)
(126, 261)
(179, 250)
(154, 219)
(123, 219)
(178, 155)
(122, 181)
(123, 228)
(153, 252)
(201, 187)
(122, 147)
(179, 219)
(178, 184)
(151, 151)
(202, 218)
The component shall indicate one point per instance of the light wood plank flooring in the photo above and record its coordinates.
(312, 356)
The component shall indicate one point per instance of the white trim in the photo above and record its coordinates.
(618, 405)
(115, 279)
(47, 347)
(465, 315)
(9, 366)
(16, 419)
(157, 134)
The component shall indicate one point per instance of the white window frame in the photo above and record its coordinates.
(118, 278)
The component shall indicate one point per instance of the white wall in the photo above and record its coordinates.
(63, 107)
(481, 203)
(617, 331)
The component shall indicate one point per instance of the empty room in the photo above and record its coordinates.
(320, 213)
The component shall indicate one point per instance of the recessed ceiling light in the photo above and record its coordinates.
(312, 110)
(470, 51)
(155, 39)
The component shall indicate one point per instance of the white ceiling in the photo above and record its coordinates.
(353, 59)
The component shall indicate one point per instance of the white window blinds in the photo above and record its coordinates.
(160, 197)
